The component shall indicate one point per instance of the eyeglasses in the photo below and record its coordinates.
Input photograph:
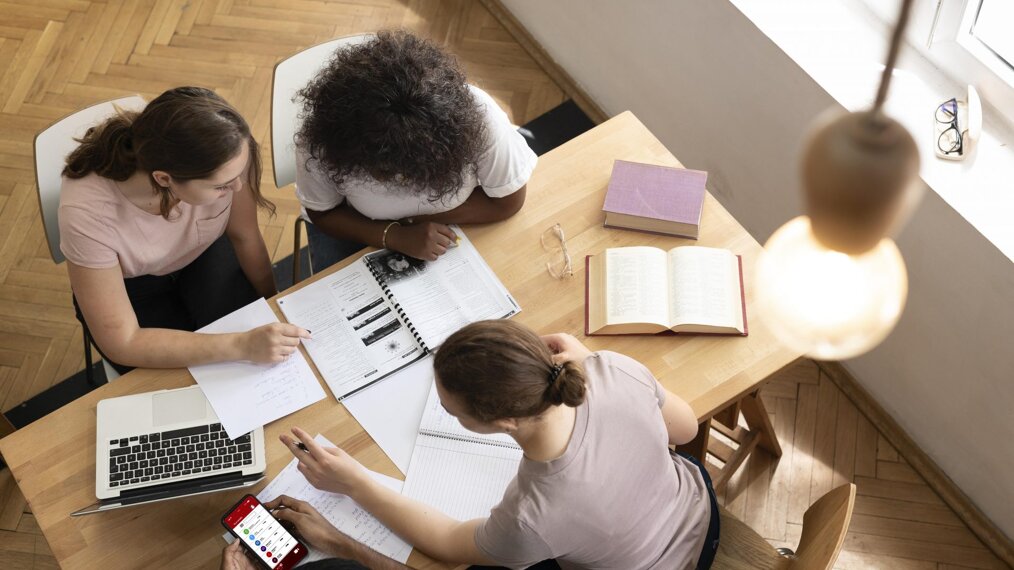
(554, 241)
(950, 140)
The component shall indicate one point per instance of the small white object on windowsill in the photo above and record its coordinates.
(957, 125)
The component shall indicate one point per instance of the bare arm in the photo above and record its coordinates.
(322, 535)
(423, 240)
(680, 421)
(248, 242)
(103, 299)
(479, 208)
(429, 530)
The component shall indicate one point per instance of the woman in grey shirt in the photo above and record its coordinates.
(598, 486)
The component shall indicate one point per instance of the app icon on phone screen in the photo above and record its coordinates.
(263, 535)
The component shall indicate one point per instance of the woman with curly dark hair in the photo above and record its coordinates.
(395, 145)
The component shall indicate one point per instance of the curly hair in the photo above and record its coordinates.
(396, 108)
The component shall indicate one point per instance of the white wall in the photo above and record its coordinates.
(723, 98)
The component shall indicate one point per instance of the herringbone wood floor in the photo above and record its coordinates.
(60, 55)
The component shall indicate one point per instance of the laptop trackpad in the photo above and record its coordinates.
(178, 406)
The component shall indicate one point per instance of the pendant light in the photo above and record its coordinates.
(832, 283)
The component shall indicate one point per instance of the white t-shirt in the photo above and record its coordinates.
(503, 168)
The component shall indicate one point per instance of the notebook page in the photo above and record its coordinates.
(358, 337)
(463, 480)
(437, 422)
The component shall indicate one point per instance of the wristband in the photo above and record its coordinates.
(383, 238)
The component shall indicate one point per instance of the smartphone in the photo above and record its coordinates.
(263, 535)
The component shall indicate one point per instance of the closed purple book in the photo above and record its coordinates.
(655, 198)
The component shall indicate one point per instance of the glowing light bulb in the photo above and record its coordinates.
(826, 303)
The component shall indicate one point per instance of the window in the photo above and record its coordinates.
(969, 40)
(988, 20)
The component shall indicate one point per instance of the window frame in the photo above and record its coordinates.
(941, 31)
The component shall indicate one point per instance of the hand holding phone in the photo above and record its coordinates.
(263, 535)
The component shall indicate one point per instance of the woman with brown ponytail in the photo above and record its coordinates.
(158, 222)
(598, 486)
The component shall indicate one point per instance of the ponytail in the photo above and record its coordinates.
(502, 369)
(188, 132)
(105, 149)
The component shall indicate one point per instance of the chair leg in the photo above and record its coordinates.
(89, 369)
(296, 245)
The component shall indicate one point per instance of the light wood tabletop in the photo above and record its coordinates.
(53, 459)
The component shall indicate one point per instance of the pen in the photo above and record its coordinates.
(300, 445)
(456, 242)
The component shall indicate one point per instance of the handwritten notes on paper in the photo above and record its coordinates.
(247, 396)
(345, 514)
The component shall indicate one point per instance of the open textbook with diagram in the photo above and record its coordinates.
(387, 310)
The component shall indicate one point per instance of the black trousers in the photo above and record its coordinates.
(212, 286)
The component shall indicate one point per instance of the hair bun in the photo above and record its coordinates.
(568, 388)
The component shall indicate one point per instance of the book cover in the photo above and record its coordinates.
(658, 192)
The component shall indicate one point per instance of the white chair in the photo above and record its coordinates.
(291, 75)
(51, 149)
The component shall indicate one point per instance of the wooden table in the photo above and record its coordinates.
(53, 459)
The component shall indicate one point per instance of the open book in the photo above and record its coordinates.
(646, 290)
(462, 473)
(388, 310)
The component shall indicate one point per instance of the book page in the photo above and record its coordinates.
(358, 337)
(636, 290)
(246, 395)
(439, 297)
(704, 287)
(341, 511)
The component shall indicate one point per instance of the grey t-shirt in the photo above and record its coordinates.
(616, 498)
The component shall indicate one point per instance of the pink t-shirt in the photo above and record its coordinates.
(100, 227)
(616, 498)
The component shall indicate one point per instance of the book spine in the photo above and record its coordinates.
(465, 438)
(379, 277)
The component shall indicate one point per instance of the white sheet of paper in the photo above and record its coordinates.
(247, 396)
(390, 411)
(345, 514)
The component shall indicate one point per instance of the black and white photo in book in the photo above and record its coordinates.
(387, 310)
(394, 265)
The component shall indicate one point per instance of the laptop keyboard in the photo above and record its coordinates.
(176, 453)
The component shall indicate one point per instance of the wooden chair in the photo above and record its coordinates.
(824, 526)
(290, 75)
(51, 149)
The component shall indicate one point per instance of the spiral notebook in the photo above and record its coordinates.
(461, 473)
(387, 310)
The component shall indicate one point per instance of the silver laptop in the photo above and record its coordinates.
(167, 444)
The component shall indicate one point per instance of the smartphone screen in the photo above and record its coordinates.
(251, 523)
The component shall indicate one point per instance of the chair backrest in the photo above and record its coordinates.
(291, 75)
(825, 524)
(51, 149)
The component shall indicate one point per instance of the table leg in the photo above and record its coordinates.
(729, 417)
(757, 418)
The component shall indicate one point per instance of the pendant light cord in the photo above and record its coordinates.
(892, 55)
